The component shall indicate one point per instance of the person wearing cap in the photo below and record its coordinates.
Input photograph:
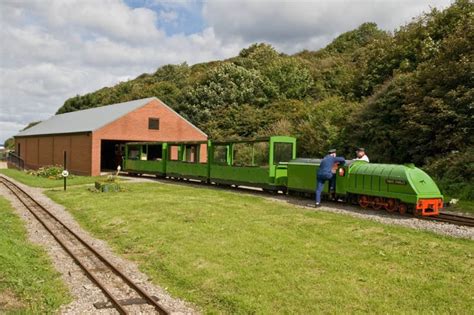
(325, 173)
(361, 156)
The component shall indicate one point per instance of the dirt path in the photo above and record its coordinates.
(84, 292)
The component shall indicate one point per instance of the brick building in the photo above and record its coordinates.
(93, 138)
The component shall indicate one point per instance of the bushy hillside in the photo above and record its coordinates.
(406, 96)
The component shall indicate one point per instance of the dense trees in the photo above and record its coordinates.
(406, 96)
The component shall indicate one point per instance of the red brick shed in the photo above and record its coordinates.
(93, 137)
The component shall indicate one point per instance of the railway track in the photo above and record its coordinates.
(116, 286)
(453, 219)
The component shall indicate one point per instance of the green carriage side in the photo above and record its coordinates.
(145, 158)
(257, 162)
(187, 160)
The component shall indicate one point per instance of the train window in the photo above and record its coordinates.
(251, 154)
(173, 153)
(155, 152)
(191, 153)
(261, 153)
(243, 154)
(133, 152)
(283, 152)
(220, 155)
(154, 123)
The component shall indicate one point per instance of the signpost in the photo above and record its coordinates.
(65, 173)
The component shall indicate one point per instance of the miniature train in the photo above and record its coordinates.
(271, 164)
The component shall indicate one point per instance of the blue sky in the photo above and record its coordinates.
(54, 49)
(184, 16)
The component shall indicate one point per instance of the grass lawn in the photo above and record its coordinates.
(232, 253)
(28, 283)
(36, 181)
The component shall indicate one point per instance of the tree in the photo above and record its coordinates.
(291, 78)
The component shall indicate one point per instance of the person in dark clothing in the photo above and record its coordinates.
(325, 173)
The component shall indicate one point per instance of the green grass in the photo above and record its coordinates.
(36, 181)
(233, 253)
(28, 283)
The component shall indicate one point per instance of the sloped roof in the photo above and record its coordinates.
(84, 120)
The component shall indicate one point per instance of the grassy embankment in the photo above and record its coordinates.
(36, 181)
(233, 253)
(28, 283)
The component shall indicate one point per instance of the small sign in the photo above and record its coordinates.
(395, 181)
(65, 173)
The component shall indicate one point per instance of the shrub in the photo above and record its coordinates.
(454, 173)
(50, 171)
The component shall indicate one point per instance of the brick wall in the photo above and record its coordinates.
(49, 150)
(134, 127)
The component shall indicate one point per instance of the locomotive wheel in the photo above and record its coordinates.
(377, 203)
(364, 201)
(392, 205)
(403, 208)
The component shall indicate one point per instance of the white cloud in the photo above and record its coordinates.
(293, 25)
(54, 49)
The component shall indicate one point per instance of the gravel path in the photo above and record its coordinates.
(342, 208)
(84, 292)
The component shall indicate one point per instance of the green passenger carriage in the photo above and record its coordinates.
(260, 162)
(145, 158)
(256, 162)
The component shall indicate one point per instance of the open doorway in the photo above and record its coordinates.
(111, 154)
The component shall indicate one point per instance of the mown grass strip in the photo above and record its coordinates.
(234, 253)
(28, 282)
(36, 181)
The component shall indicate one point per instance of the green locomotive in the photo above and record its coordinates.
(402, 188)
(271, 164)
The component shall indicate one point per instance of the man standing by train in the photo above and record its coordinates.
(325, 173)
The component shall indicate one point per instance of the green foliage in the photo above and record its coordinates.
(291, 78)
(454, 173)
(324, 124)
(353, 40)
(257, 56)
(225, 89)
(49, 171)
(10, 144)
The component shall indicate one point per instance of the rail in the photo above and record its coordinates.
(452, 219)
(102, 274)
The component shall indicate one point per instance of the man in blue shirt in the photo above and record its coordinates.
(325, 173)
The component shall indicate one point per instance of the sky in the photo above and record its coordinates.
(51, 50)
